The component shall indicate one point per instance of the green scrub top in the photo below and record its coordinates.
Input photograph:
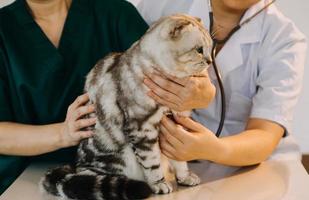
(38, 81)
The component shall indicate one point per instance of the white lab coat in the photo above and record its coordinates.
(261, 66)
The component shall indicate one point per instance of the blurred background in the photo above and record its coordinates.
(298, 11)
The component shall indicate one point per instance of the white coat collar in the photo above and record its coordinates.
(230, 56)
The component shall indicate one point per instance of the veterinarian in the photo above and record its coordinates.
(261, 66)
(46, 49)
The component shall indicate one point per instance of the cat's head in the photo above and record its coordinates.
(179, 45)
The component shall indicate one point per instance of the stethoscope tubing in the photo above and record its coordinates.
(222, 91)
(213, 56)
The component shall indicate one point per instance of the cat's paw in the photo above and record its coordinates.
(190, 180)
(162, 187)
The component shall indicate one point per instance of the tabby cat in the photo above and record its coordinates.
(122, 160)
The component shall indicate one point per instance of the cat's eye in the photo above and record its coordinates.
(200, 50)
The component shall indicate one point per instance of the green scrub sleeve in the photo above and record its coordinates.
(131, 26)
(5, 105)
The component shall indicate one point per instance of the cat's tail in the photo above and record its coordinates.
(65, 183)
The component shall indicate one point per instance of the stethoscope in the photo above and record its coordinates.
(213, 56)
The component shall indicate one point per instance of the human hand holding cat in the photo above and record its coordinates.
(70, 131)
(180, 94)
(188, 140)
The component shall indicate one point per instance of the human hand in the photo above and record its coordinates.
(70, 131)
(188, 140)
(180, 94)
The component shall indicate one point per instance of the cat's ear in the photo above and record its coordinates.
(174, 29)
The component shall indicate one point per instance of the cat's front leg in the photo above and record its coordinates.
(183, 175)
(149, 157)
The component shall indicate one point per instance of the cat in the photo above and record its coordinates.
(122, 160)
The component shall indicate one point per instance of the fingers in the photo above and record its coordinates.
(164, 91)
(81, 100)
(180, 81)
(170, 138)
(71, 133)
(174, 129)
(167, 154)
(163, 102)
(74, 134)
(188, 123)
(167, 148)
(156, 81)
(83, 110)
(83, 123)
(84, 134)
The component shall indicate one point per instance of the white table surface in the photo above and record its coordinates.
(271, 180)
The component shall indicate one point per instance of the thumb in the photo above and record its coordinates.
(188, 123)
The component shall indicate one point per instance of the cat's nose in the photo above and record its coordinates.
(208, 59)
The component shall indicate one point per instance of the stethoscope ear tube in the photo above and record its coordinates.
(222, 93)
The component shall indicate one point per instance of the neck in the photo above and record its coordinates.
(225, 19)
(48, 9)
(226, 14)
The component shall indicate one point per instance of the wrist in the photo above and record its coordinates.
(221, 151)
(60, 140)
(225, 150)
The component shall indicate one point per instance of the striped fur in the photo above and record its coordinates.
(123, 159)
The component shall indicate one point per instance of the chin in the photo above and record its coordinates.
(239, 5)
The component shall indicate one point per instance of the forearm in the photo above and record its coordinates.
(247, 148)
(27, 140)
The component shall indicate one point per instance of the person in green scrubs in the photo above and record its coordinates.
(47, 47)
